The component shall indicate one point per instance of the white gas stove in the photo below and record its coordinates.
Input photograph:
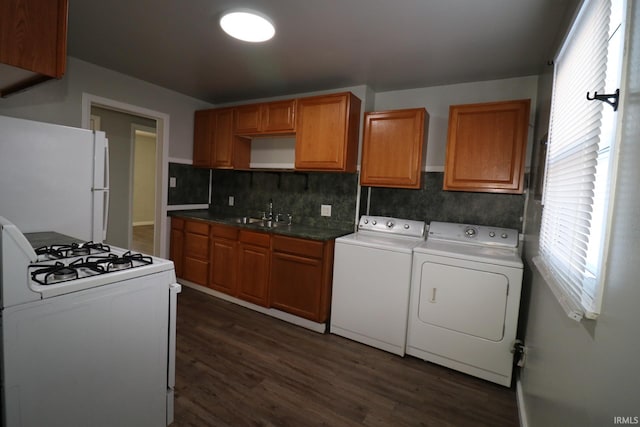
(94, 321)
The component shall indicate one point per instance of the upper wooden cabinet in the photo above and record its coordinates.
(270, 118)
(215, 144)
(33, 38)
(393, 150)
(327, 132)
(486, 147)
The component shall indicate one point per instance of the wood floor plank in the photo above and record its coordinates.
(236, 367)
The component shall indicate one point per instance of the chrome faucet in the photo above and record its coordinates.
(270, 208)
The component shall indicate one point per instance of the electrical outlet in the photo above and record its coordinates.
(232, 201)
(172, 182)
(325, 210)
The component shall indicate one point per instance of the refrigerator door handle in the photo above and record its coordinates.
(106, 190)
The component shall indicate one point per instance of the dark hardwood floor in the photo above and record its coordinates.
(237, 367)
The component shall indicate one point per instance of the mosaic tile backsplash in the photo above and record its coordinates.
(432, 203)
(192, 185)
(297, 193)
(302, 193)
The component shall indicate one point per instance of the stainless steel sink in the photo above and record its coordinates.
(247, 220)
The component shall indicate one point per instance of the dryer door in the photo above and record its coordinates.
(464, 300)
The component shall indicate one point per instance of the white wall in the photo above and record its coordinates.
(60, 101)
(437, 100)
(586, 374)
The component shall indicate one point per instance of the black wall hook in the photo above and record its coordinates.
(611, 99)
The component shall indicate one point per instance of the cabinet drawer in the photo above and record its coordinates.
(258, 239)
(224, 231)
(302, 247)
(197, 228)
(196, 246)
(177, 223)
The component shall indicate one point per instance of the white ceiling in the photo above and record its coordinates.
(319, 44)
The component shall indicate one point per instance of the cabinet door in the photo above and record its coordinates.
(222, 146)
(296, 285)
(486, 147)
(327, 133)
(247, 119)
(278, 116)
(33, 35)
(202, 138)
(222, 274)
(253, 273)
(393, 148)
(176, 251)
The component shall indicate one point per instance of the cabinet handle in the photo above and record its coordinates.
(433, 295)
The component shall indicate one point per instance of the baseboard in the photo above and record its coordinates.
(522, 413)
(138, 223)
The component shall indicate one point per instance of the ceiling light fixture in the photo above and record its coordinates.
(247, 25)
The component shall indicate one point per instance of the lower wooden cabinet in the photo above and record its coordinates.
(253, 267)
(224, 259)
(301, 275)
(176, 250)
(286, 273)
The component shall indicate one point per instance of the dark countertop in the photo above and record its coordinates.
(294, 230)
(48, 238)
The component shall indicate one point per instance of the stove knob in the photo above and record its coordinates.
(390, 224)
(406, 226)
(374, 222)
(504, 235)
(492, 234)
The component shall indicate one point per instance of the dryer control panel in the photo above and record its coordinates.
(481, 235)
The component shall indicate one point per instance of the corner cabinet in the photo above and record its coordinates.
(270, 118)
(486, 147)
(214, 143)
(33, 38)
(301, 277)
(393, 148)
(327, 133)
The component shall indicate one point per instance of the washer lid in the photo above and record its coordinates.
(508, 257)
(381, 241)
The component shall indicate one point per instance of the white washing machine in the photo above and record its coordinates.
(465, 299)
(371, 281)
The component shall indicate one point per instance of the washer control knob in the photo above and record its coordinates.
(406, 226)
(366, 221)
(492, 234)
(470, 232)
(374, 222)
(504, 235)
(390, 224)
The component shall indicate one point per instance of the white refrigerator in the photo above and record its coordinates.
(54, 177)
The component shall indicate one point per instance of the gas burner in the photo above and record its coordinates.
(64, 273)
(119, 264)
(80, 250)
(54, 273)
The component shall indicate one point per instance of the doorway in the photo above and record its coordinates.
(143, 192)
(124, 124)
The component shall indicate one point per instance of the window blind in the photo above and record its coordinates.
(577, 163)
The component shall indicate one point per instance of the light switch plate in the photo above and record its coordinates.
(232, 200)
(172, 182)
(325, 210)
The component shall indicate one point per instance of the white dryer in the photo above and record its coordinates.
(465, 298)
